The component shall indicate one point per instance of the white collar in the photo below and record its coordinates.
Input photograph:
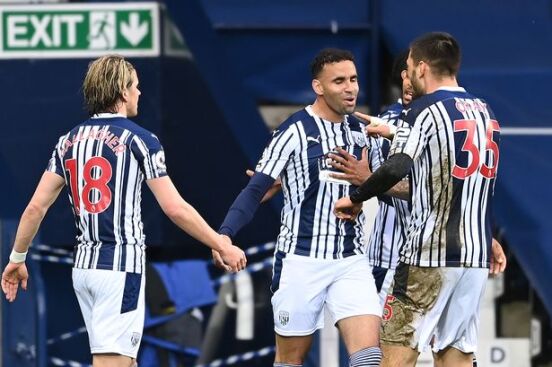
(451, 89)
(107, 115)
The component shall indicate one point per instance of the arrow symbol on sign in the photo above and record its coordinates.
(133, 31)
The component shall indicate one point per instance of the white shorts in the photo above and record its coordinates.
(303, 286)
(386, 286)
(113, 307)
(437, 307)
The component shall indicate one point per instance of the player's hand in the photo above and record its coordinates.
(345, 209)
(219, 263)
(273, 190)
(354, 171)
(231, 255)
(375, 126)
(12, 275)
(498, 258)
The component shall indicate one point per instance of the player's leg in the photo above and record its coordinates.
(411, 314)
(398, 356)
(112, 360)
(115, 320)
(299, 284)
(354, 305)
(291, 350)
(457, 331)
(361, 338)
(452, 357)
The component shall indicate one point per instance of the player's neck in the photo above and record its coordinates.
(322, 110)
(434, 84)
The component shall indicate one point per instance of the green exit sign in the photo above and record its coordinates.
(79, 30)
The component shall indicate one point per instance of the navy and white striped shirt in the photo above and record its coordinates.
(389, 230)
(104, 162)
(453, 139)
(298, 154)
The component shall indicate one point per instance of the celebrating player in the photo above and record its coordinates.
(103, 162)
(320, 260)
(450, 141)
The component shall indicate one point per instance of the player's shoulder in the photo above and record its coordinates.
(445, 96)
(296, 118)
(392, 110)
(299, 117)
(133, 128)
(355, 124)
(392, 113)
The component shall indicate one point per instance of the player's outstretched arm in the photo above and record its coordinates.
(189, 220)
(47, 191)
(273, 190)
(357, 171)
(376, 126)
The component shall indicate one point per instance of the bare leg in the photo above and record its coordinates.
(112, 360)
(359, 332)
(292, 349)
(398, 356)
(452, 357)
(361, 337)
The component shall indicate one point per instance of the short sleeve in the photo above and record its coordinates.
(278, 151)
(150, 156)
(55, 164)
(412, 134)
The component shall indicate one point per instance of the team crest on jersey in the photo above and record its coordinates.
(359, 138)
(135, 339)
(283, 317)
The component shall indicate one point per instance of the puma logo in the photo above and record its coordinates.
(316, 140)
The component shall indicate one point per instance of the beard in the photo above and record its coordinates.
(417, 87)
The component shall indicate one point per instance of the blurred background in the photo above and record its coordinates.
(216, 76)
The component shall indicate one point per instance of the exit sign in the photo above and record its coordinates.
(79, 30)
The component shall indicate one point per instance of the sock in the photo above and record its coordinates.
(280, 364)
(366, 357)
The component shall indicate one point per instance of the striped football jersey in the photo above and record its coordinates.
(453, 139)
(104, 162)
(298, 154)
(389, 230)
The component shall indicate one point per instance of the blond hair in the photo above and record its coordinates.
(104, 83)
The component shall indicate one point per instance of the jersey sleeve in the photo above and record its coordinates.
(412, 135)
(278, 151)
(375, 154)
(55, 164)
(150, 156)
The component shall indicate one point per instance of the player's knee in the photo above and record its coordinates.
(366, 357)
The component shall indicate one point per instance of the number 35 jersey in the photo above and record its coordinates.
(104, 162)
(453, 138)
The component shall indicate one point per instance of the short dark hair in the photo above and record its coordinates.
(440, 50)
(329, 56)
(399, 64)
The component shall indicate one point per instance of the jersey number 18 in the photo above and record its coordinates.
(98, 184)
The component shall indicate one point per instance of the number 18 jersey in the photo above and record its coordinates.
(453, 140)
(104, 162)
